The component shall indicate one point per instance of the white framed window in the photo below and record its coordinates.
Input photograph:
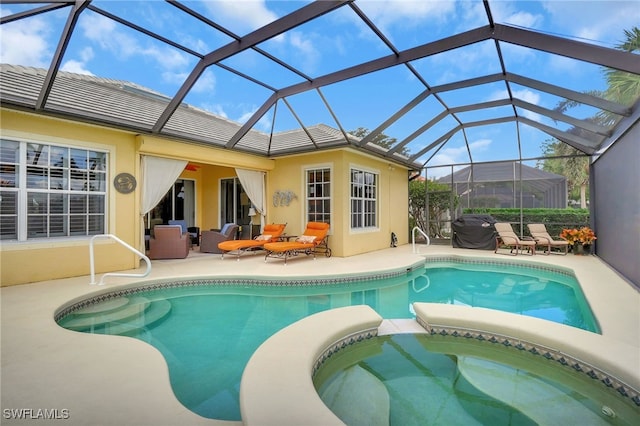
(364, 199)
(318, 194)
(49, 190)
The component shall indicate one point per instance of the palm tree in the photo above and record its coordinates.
(622, 88)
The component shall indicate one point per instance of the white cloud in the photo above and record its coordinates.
(602, 20)
(456, 155)
(86, 54)
(481, 145)
(100, 30)
(512, 13)
(263, 124)
(523, 19)
(206, 83)
(216, 109)
(407, 13)
(564, 65)
(79, 67)
(76, 67)
(465, 62)
(123, 46)
(524, 95)
(25, 42)
(168, 59)
(241, 15)
(305, 47)
(174, 78)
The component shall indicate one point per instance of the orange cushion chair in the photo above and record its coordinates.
(271, 233)
(313, 240)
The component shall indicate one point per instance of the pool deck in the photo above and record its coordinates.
(112, 380)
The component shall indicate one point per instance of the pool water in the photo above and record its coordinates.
(422, 379)
(536, 293)
(208, 332)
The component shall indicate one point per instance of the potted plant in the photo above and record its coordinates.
(580, 239)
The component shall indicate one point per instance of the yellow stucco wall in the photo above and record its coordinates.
(289, 174)
(53, 258)
(67, 257)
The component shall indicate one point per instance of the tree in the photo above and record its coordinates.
(439, 205)
(622, 88)
(380, 139)
(572, 164)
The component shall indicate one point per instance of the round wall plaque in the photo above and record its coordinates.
(124, 183)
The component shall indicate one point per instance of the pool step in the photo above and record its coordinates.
(103, 307)
(426, 400)
(532, 396)
(156, 311)
(368, 406)
(119, 316)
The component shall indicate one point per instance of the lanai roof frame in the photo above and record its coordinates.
(499, 34)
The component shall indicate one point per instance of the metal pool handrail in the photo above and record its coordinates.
(413, 237)
(115, 274)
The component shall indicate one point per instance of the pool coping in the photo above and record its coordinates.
(610, 362)
(102, 294)
(286, 395)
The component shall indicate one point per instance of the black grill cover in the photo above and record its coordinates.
(474, 231)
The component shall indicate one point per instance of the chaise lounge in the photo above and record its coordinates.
(313, 240)
(539, 233)
(506, 237)
(271, 233)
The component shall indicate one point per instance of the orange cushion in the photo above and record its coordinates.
(286, 246)
(274, 229)
(317, 229)
(239, 244)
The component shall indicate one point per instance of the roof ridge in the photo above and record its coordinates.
(85, 77)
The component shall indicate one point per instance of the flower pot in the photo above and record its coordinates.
(580, 249)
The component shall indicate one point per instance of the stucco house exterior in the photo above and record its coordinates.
(62, 178)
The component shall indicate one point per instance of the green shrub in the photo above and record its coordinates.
(554, 219)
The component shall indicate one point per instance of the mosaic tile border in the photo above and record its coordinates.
(230, 282)
(560, 357)
(498, 262)
(341, 344)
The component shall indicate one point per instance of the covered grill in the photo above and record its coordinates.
(474, 231)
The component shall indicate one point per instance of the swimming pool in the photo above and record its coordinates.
(207, 330)
(419, 379)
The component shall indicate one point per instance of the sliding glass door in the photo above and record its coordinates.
(235, 205)
(177, 204)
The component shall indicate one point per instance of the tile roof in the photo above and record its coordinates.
(130, 106)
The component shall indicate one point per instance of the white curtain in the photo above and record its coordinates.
(253, 184)
(158, 174)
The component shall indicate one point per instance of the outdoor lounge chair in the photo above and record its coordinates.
(168, 242)
(271, 233)
(193, 231)
(506, 237)
(539, 233)
(314, 240)
(209, 240)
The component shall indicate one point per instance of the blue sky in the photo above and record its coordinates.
(105, 48)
